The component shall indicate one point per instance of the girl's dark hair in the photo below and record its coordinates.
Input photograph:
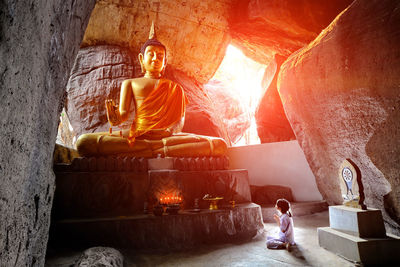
(284, 205)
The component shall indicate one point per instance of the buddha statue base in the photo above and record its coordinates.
(150, 146)
(115, 196)
(115, 186)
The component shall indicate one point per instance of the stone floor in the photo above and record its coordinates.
(253, 253)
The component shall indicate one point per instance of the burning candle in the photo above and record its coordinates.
(170, 200)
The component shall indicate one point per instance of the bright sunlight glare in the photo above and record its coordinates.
(243, 76)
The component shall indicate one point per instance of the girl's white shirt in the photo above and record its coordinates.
(288, 235)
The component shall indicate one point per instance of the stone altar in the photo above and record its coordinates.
(115, 197)
(359, 236)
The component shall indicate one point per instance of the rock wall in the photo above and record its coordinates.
(195, 32)
(96, 76)
(272, 124)
(341, 96)
(38, 43)
(265, 28)
(234, 115)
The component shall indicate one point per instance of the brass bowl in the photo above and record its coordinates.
(213, 202)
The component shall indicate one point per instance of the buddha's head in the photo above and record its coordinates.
(153, 56)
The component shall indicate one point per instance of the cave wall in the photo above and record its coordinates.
(196, 36)
(265, 28)
(195, 32)
(38, 44)
(341, 95)
(269, 31)
(97, 75)
(272, 124)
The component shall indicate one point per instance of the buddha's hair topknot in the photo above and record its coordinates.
(153, 42)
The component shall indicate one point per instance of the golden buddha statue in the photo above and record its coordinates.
(159, 116)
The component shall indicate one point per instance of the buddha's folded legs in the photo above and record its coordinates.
(202, 148)
(103, 144)
(180, 145)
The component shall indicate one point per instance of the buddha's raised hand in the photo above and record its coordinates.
(113, 115)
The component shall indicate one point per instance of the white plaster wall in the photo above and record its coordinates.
(281, 163)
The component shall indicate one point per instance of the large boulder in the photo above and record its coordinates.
(100, 257)
(96, 76)
(227, 105)
(195, 32)
(341, 96)
(272, 124)
(268, 32)
(38, 44)
(265, 28)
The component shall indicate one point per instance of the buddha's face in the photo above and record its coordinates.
(153, 60)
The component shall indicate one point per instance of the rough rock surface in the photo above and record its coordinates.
(100, 257)
(265, 28)
(341, 95)
(97, 75)
(234, 115)
(38, 43)
(272, 124)
(196, 32)
(66, 135)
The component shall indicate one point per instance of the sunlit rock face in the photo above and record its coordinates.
(272, 124)
(341, 96)
(196, 32)
(38, 43)
(233, 114)
(265, 28)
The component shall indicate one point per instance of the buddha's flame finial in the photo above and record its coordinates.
(152, 34)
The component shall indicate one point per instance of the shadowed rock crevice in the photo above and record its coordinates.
(272, 124)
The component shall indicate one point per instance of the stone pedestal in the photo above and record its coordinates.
(359, 236)
(102, 202)
(122, 193)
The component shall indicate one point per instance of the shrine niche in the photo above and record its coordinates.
(138, 175)
(351, 185)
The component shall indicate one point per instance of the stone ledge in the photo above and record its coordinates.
(362, 223)
(182, 231)
(356, 249)
(127, 163)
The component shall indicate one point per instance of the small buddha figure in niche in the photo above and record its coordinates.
(159, 116)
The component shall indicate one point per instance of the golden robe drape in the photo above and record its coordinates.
(161, 109)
